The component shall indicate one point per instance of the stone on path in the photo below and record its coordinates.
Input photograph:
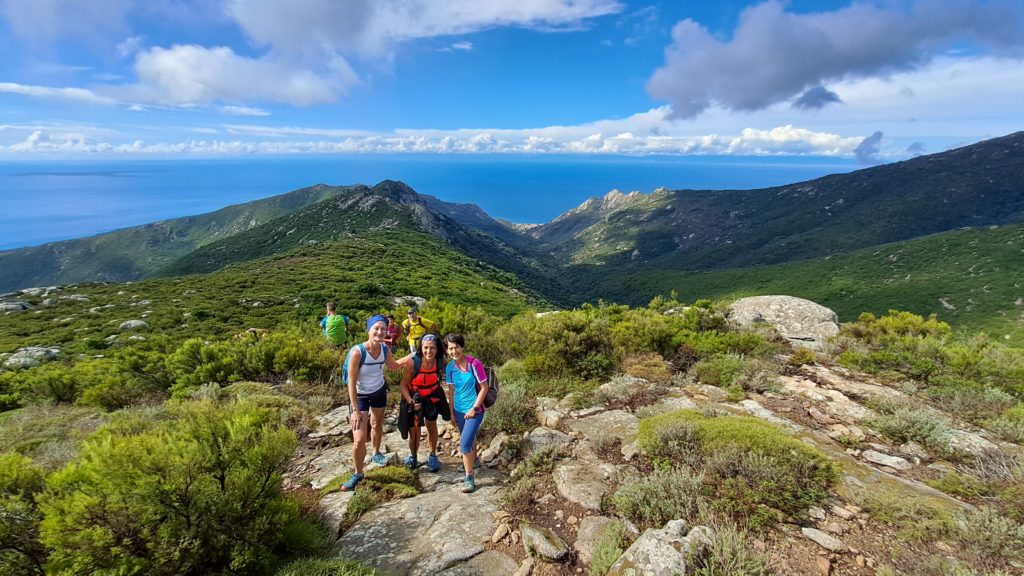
(333, 423)
(585, 482)
(824, 540)
(617, 423)
(543, 543)
(665, 552)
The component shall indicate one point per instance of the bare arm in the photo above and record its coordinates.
(354, 362)
(390, 362)
(406, 378)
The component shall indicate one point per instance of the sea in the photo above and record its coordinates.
(46, 201)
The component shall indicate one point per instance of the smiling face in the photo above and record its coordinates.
(455, 351)
(378, 331)
(429, 350)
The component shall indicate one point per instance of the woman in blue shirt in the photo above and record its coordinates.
(467, 384)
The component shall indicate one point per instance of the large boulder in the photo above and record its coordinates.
(14, 306)
(133, 325)
(802, 322)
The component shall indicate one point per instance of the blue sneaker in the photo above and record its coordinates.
(411, 463)
(379, 459)
(350, 484)
(433, 464)
(469, 485)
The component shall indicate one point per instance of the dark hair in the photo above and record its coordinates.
(390, 316)
(330, 306)
(440, 350)
(454, 338)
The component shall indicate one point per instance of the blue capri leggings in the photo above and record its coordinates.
(468, 427)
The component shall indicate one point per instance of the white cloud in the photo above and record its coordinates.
(70, 94)
(129, 46)
(195, 75)
(243, 111)
(767, 60)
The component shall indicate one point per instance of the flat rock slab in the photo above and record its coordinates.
(824, 540)
(542, 437)
(837, 404)
(802, 322)
(617, 423)
(330, 464)
(894, 462)
(423, 535)
(840, 379)
(673, 404)
(333, 507)
(585, 483)
(490, 563)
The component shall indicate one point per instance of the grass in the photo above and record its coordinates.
(378, 486)
(615, 540)
(325, 567)
(914, 518)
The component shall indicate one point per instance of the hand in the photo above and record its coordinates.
(416, 406)
(355, 418)
(471, 413)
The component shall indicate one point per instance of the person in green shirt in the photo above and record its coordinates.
(335, 327)
(416, 327)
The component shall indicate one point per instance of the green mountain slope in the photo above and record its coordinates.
(973, 279)
(363, 211)
(977, 185)
(360, 274)
(136, 252)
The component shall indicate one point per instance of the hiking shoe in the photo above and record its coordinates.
(410, 462)
(433, 464)
(469, 485)
(350, 484)
(379, 459)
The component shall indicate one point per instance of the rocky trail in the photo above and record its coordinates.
(443, 531)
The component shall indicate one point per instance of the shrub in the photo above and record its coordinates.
(20, 483)
(991, 539)
(1009, 425)
(914, 517)
(513, 413)
(970, 401)
(749, 464)
(610, 545)
(50, 382)
(905, 422)
(199, 493)
(958, 485)
(628, 392)
(802, 356)
(730, 556)
(649, 366)
(720, 370)
(665, 494)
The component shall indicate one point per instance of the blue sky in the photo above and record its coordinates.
(166, 78)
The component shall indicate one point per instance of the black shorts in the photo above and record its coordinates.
(378, 399)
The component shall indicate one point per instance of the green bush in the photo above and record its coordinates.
(665, 494)
(649, 366)
(730, 556)
(199, 493)
(1010, 424)
(720, 370)
(905, 422)
(749, 464)
(991, 539)
(513, 413)
(610, 545)
(972, 402)
(914, 517)
(20, 549)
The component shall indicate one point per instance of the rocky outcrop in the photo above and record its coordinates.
(670, 551)
(543, 543)
(133, 325)
(31, 356)
(802, 322)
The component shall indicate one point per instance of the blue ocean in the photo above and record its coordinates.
(58, 200)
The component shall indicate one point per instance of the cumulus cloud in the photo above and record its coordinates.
(867, 151)
(816, 98)
(191, 74)
(767, 58)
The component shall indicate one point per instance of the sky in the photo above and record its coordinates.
(876, 81)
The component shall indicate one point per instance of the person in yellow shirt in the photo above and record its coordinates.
(416, 327)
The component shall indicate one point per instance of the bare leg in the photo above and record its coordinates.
(359, 437)
(432, 435)
(376, 428)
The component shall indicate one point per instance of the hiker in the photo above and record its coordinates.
(415, 327)
(423, 400)
(467, 383)
(335, 327)
(368, 395)
(394, 333)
